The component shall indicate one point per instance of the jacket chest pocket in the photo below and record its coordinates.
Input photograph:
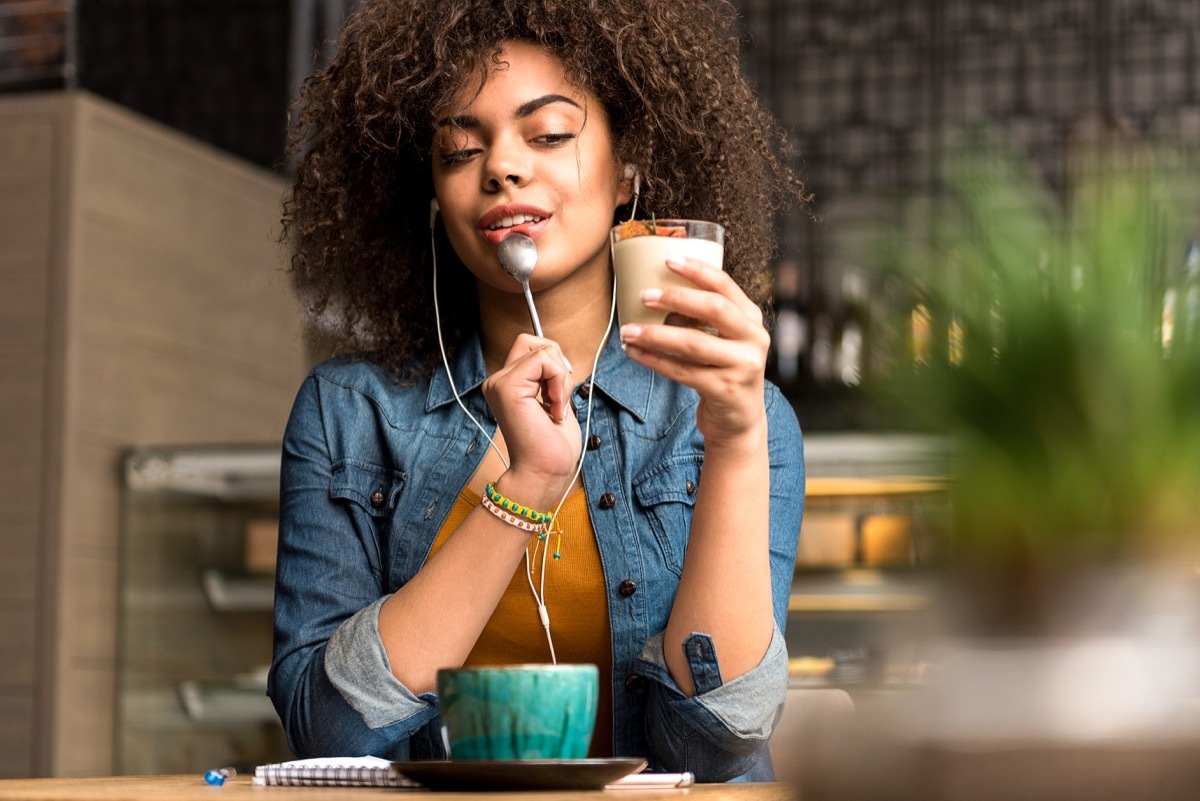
(370, 493)
(667, 495)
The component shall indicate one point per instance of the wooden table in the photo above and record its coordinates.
(193, 788)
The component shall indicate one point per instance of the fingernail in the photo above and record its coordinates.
(676, 261)
(651, 295)
(629, 332)
(567, 362)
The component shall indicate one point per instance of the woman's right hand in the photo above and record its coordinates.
(530, 397)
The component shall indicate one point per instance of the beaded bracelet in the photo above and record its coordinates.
(513, 520)
(508, 505)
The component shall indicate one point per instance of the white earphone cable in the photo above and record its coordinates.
(539, 592)
(437, 316)
(587, 428)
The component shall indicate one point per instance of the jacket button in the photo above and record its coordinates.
(627, 587)
(608, 500)
(690, 486)
(594, 442)
(377, 498)
(585, 389)
(633, 682)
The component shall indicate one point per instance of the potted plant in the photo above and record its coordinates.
(1053, 341)
(1068, 372)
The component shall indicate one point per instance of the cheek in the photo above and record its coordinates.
(600, 192)
(459, 232)
(463, 242)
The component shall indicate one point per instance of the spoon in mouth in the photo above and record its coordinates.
(518, 255)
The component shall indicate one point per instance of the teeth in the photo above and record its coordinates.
(509, 222)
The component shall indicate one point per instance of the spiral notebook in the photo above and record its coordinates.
(367, 771)
(370, 771)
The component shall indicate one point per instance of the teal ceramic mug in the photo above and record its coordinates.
(514, 712)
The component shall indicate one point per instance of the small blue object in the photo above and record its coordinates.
(217, 777)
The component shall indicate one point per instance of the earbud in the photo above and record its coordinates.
(632, 174)
(434, 208)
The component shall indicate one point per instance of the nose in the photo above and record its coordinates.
(507, 166)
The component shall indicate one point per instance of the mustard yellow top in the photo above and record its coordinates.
(575, 600)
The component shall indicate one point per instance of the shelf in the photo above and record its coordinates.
(215, 702)
(871, 489)
(874, 455)
(226, 473)
(227, 592)
(860, 591)
(846, 602)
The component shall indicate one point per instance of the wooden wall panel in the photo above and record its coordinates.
(145, 395)
(89, 612)
(182, 331)
(30, 134)
(20, 467)
(84, 698)
(142, 294)
(18, 674)
(143, 303)
(85, 695)
(16, 746)
(28, 139)
(96, 467)
(22, 303)
(22, 389)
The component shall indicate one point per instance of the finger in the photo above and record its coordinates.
(709, 307)
(556, 390)
(541, 375)
(705, 276)
(525, 344)
(710, 381)
(690, 348)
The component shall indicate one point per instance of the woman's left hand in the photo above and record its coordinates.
(727, 368)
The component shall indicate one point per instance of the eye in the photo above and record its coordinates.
(554, 138)
(455, 157)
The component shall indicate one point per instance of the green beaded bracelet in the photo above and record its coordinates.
(541, 518)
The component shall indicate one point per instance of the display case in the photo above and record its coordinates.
(197, 553)
(863, 592)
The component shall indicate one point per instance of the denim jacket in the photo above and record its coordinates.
(372, 468)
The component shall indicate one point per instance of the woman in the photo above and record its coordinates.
(674, 540)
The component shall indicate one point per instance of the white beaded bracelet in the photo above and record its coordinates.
(513, 520)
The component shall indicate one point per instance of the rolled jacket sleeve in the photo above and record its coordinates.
(718, 733)
(357, 666)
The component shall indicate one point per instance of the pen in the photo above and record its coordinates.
(217, 777)
(652, 781)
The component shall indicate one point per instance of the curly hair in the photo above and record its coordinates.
(666, 72)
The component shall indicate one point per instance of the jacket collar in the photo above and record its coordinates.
(619, 378)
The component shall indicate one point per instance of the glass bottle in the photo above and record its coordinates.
(790, 343)
(1191, 293)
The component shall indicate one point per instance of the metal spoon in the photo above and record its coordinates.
(518, 255)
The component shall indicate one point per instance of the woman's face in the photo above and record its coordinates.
(527, 152)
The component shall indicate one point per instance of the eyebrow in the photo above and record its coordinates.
(523, 111)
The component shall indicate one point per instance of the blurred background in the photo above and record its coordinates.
(150, 347)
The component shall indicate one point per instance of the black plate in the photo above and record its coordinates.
(529, 774)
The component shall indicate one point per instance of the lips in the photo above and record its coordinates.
(515, 220)
(501, 221)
